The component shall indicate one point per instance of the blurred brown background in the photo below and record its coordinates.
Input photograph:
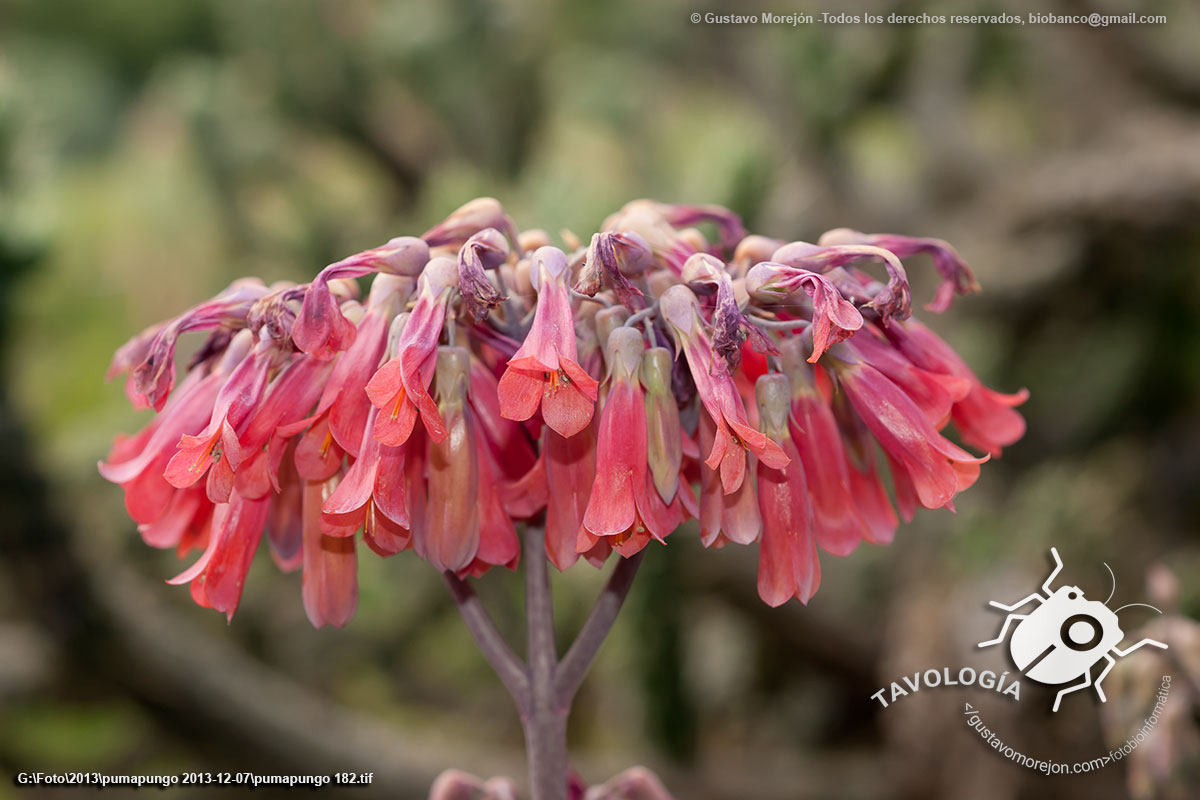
(152, 151)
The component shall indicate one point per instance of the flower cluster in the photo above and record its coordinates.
(607, 391)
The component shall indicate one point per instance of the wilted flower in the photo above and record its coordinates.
(489, 378)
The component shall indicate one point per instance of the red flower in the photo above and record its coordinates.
(330, 580)
(217, 445)
(985, 418)
(320, 328)
(545, 371)
(787, 560)
(717, 392)
(937, 468)
(371, 496)
(400, 388)
(620, 507)
(299, 409)
(837, 524)
(934, 393)
(218, 576)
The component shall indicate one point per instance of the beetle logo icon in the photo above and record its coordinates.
(1065, 636)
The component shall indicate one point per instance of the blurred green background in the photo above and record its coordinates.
(152, 151)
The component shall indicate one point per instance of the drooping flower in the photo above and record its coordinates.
(620, 507)
(153, 377)
(217, 446)
(957, 277)
(545, 372)
(985, 418)
(937, 468)
(218, 576)
(320, 329)
(330, 579)
(373, 496)
(720, 397)
(787, 561)
(837, 524)
(450, 535)
(400, 388)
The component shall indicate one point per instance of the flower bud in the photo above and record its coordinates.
(624, 352)
(664, 437)
(468, 219)
(754, 249)
(774, 395)
(532, 239)
(608, 320)
(451, 535)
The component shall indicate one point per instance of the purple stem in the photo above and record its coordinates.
(504, 661)
(546, 721)
(545, 687)
(575, 664)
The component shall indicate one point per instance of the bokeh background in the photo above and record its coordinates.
(152, 151)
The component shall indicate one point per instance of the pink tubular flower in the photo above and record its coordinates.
(154, 377)
(866, 485)
(545, 371)
(717, 393)
(985, 418)
(372, 496)
(837, 524)
(320, 328)
(400, 388)
(935, 393)
(218, 576)
(724, 517)
(344, 396)
(450, 536)
(568, 470)
(957, 277)
(297, 414)
(787, 561)
(330, 580)
(217, 445)
(619, 507)
(936, 467)
(137, 463)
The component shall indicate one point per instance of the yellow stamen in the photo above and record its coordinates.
(326, 443)
(399, 402)
(216, 455)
